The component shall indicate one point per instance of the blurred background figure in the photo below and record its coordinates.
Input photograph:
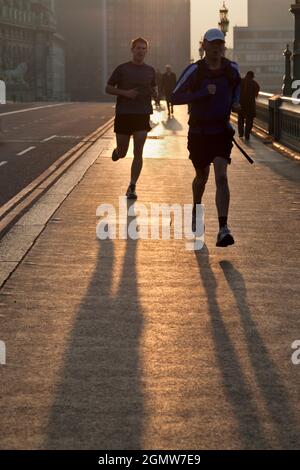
(158, 78)
(249, 92)
(168, 86)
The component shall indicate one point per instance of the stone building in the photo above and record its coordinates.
(32, 53)
(259, 47)
(98, 34)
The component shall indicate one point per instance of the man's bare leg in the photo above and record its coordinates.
(122, 146)
(199, 185)
(223, 193)
(222, 201)
(139, 139)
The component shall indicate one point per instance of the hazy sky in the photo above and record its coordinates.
(205, 15)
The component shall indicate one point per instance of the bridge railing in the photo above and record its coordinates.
(280, 117)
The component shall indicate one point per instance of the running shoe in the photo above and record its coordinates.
(225, 237)
(131, 193)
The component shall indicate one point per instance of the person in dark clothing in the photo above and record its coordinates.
(134, 84)
(158, 96)
(212, 87)
(168, 85)
(249, 92)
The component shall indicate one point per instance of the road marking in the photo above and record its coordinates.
(49, 138)
(70, 136)
(20, 141)
(34, 109)
(2, 163)
(25, 151)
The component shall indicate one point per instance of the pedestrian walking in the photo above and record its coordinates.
(158, 79)
(168, 85)
(249, 92)
(134, 85)
(212, 88)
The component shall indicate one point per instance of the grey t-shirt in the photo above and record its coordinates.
(128, 76)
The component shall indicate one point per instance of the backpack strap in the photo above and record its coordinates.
(233, 78)
(203, 72)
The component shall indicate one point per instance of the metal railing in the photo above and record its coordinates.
(280, 117)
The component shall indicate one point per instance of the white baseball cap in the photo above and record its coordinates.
(214, 35)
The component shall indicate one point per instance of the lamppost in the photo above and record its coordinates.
(224, 21)
(287, 79)
(295, 9)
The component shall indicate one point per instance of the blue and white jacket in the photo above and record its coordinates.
(209, 114)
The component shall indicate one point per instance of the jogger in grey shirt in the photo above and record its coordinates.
(134, 85)
(130, 76)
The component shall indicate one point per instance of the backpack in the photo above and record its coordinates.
(203, 73)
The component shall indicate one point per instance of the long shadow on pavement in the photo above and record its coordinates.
(172, 124)
(99, 401)
(274, 161)
(267, 376)
(234, 381)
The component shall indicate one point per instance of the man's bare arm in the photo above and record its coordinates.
(111, 90)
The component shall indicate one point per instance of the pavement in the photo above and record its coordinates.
(141, 344)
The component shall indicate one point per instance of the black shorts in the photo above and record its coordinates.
(127, 124)
(205, 148)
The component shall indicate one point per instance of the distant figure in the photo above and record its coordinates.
(158, 76)
(249, 92)
(134, 84)
(168, 85)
